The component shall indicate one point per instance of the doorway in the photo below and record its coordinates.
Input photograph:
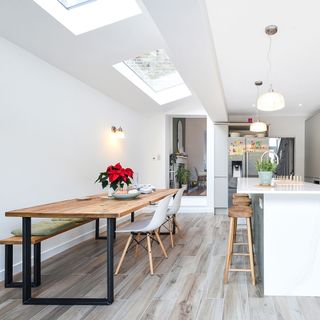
(188, 156)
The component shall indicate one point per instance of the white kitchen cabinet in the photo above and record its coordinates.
(312, 148)
(221, 192)
(221, 132)
(221, 150)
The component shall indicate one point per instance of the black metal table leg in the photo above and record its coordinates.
(111, 222)
(114, 228)
(26, 272)
(132, 216)
(26, 259)
(97, 231)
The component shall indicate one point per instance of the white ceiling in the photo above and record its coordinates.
(241, 46)
(184, 28)
(90, 56)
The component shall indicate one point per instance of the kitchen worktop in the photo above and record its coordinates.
(251, 186)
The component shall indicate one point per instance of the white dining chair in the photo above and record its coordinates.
(171, 214)
(146, 227)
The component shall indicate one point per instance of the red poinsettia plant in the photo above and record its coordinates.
(116, 176)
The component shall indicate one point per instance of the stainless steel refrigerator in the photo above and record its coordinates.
(244, 153)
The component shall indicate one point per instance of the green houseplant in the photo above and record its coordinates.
(183, 176)
(266, 168)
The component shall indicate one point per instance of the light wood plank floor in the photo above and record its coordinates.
(187, 285)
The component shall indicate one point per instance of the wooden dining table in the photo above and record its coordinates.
(92, 207)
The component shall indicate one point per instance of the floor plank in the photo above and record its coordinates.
(187, 285)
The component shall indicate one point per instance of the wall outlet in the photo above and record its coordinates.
(156, 157)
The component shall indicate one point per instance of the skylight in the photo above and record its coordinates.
(80, 16)
(69, 4)
(155, 75)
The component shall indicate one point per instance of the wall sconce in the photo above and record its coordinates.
(118, 132)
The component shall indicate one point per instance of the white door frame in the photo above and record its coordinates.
(210, 149)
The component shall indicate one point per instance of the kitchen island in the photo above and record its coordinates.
(286, 236)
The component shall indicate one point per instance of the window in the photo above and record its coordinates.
(69, 4)
(80, 16)
(155, 75)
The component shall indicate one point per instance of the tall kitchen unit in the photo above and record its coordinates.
(237, 157)
(221, 133)
(312, 149)
(245, 152)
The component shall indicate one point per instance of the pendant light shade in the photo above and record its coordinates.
(258, 126)
(271, 101)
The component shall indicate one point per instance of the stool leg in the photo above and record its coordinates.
(8, 265)
(229, 250)
(253, 278)
(37, 264)
(235, 229)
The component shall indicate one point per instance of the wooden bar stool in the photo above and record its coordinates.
(240, 195)
(241, 201)
(234, 213)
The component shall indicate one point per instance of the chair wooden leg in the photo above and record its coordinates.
(150, 253)
(176, 223)
(253, 277)
(171, 231)
(123, 254)
(229, 250)
(161, 244)
(137, 245)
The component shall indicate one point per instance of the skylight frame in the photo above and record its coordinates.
(164, 96)
(70, 7)
(90, 15)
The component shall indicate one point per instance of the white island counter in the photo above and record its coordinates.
(286, 236)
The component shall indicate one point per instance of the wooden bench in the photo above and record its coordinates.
(36, 241)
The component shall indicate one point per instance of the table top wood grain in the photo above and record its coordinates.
(97, 206)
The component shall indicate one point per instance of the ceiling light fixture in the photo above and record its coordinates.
(270, 101)
(258, 126)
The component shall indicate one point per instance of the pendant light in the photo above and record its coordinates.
(258, 126)
(270, 101)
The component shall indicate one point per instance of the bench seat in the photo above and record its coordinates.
(57, 227)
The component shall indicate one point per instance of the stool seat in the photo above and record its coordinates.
(240, 212)
(240, 195)
(241, 201)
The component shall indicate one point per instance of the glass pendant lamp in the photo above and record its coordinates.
(271, 100)
(258, 126)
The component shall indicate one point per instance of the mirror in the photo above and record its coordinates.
(180, 137)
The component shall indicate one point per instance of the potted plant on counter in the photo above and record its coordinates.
(183, 176)
(266, 168)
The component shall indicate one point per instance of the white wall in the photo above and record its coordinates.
(195, 143)
(285, 126)
(54, 139)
